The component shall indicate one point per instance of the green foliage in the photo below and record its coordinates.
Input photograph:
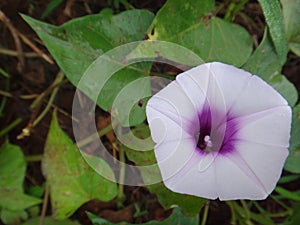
(71, 180)
(273, 16)
(13, 217)
(293, 161)
(265, 63)
(176, 218)
(287, 194)
(295, 218)
(291, 19)
(50, 221)
(189, 24)
(50, 7)
(76, 44)
(13, 200)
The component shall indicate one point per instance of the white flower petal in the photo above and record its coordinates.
(271, 127)
(165, 127)
(206, 161)
(203, 90)
(257, 96)
(263, 163)
(194, 82)
(235, 183)
(173, 101)
(231, 81)
(189, 180)
(172, 156)
(246, 122)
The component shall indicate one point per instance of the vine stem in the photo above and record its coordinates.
(34, 158)
(121, 195)
(38, 102)
(10, 126)
(95, 136)
(205, 214)
(45, 204)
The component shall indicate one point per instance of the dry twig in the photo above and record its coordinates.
(17, 35)
(17, 41)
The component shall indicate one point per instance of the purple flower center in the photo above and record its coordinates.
(206, 135)
(204, 142)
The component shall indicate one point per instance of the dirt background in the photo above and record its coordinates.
(30, 75)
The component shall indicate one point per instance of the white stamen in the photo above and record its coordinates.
(208, 141)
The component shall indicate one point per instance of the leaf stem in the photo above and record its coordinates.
(58, 81)
(4, 73)
(46, 109)
(94, 136)
(45, 204)
(34, 158)
(121, 195)
(4, 99)
(233, 215)
(10, 126)
(247, 212)
(38, 102)
(6, 94)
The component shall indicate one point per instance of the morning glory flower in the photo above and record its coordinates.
(220, 132)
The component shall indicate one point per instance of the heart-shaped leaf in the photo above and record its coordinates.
(265, 63)
(71, 180)
(79, 42)
(190, 24)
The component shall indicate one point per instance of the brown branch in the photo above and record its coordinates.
(17, 35)
(13, 53)
(45, 204)
(17, 41)
(34, 48)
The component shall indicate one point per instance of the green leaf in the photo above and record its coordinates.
(265, 63)
(295, 218)
(12, 173)
(288, 178)
(292, 163)
(50, 221)
(176, 218)
(274, 19)
(79, 42)
(285, 88)
(189, 204)
(287, 194)
(36, 191)
(13, 217)
(50, 7)
(71, 180)
(291, 18)
(187, 23)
